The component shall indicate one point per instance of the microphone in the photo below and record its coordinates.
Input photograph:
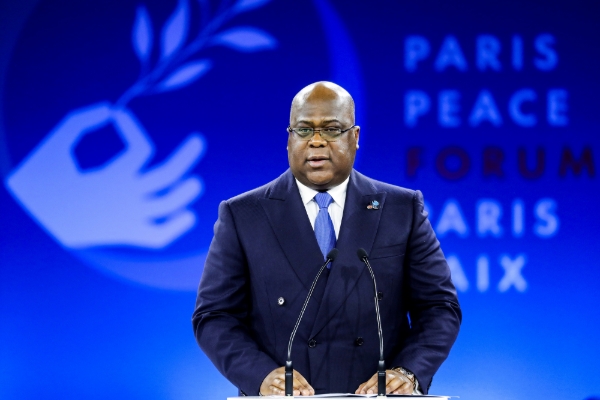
(289, 374)
(363, 256)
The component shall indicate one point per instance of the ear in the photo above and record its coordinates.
(357, 135)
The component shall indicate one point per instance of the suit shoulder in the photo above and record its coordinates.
(394, 191)
(252, 196)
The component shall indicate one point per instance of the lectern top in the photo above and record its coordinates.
(337, 396)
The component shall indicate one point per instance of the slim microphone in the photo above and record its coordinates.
(289, 374)
(363, 256)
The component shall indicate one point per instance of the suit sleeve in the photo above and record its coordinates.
(220, 320)
(434, 310)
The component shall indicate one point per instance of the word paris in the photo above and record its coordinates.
(491, 219)
(525, 107)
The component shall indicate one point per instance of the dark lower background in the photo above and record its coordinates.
(491, 109)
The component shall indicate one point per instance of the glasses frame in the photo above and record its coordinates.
(342, 131)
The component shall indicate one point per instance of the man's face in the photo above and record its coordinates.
(317, 163)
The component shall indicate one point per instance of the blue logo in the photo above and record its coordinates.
(126, 215)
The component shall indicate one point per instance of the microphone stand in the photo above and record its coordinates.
(381, 374)
(289, 370)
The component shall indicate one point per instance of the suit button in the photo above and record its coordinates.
(379, 295)
(281, 301)
(312, 343)
(359, 341)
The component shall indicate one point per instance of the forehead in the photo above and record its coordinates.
(318, 111)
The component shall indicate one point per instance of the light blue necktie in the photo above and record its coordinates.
(323, 225)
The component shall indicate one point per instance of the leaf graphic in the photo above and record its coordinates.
(175, 29)
(247, 5)
(141, 34)
(246, 39)
(185, 75)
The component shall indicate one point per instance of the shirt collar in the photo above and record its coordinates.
(338, 193)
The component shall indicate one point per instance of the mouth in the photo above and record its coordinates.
(317, 161)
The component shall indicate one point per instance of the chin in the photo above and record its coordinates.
(321, 182)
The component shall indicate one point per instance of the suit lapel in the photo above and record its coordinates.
(358, 229)
(288, 218)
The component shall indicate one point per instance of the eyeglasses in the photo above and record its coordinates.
(329, 134)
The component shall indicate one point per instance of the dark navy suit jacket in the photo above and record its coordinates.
(264, 250)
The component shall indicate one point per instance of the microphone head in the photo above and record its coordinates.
(332, 254)
(362, 254)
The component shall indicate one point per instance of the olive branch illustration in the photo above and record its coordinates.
(174, 68)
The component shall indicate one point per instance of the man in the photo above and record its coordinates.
(269, 244)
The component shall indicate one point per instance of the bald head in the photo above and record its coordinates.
(320, 92)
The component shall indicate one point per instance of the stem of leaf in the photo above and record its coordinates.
(146, 82)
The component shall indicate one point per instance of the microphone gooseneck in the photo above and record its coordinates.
(364, 257)
(289, 375)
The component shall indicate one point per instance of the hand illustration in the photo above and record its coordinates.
(117, 203)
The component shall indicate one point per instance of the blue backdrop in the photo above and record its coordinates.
(124, 123)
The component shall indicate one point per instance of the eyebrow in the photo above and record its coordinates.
(325, 121)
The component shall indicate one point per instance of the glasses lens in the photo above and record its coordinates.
(330, 133)
(304, 133)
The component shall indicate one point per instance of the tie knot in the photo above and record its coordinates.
(323, 199)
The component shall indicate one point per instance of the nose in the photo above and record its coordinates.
(317, 140)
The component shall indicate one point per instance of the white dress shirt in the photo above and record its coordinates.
(336, 208)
